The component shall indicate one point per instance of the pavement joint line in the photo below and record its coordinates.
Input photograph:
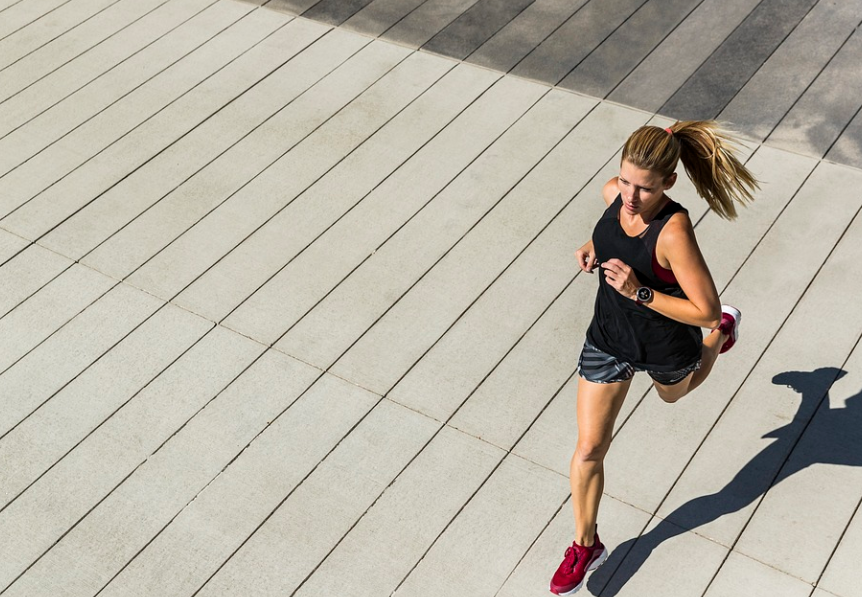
(102, 150)
(655, 47)
(406, 222)
(204, 166)
(606, 37)
(76, 56)
(855, 513)
(29, 22)
(61, 326)
(10, 6)
(103, 72)
(76, 25)
(328, 119)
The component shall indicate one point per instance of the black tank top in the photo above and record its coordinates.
(621, 327)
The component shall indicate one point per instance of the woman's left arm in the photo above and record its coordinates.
(677, 244)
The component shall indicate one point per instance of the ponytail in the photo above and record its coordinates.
(707, 153)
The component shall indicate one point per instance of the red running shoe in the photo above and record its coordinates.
(569, 577)
(729, 326)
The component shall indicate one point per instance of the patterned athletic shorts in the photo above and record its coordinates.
(599, 367)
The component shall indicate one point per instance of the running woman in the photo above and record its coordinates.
(655, 294)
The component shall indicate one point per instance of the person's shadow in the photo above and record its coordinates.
(833, 439)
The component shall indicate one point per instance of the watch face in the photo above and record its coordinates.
(644, 294)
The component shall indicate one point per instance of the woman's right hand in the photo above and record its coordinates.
(587, 257)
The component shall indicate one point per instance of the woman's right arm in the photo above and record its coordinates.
(587, 255)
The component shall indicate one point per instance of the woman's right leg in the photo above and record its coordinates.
(598, 407)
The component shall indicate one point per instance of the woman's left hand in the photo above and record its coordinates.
(621, 277)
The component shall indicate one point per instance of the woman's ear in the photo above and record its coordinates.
(669, 181)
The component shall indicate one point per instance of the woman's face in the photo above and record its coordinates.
(642, 190)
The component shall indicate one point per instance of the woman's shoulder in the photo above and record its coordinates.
(611, 190)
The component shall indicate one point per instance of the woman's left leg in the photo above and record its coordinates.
(711, 348)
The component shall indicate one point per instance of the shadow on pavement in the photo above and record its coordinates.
(836, 429)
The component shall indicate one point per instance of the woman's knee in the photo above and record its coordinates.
(591, 451)
(671, 394)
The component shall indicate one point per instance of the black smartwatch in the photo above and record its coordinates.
(643, 295)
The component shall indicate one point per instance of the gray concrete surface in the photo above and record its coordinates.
(286, 309)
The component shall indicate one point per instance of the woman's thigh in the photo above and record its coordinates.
(598, 407)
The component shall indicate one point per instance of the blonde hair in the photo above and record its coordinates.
(707, 153)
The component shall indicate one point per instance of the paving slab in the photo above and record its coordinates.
(188, 90)
(778, 84)
(840, 576)
(10, 245)
(180, 469)
(27, 272)
(732, 64)
(253, 123)
(826, 107)
(522, 34)
(34, 379)
(319, 512)
(688, 46)
(25, 98)
(355, 304)
(742, 575)
(476, 25)
(108, 456)
(847, 149)
(387, 542)
(458, 280)
(555, 57)
(377, 17)
(423, 23)
(171, 270)
(47, 27)
(335, 12)
(330, 199)
(48, 309)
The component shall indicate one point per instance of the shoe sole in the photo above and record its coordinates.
(596, 563)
